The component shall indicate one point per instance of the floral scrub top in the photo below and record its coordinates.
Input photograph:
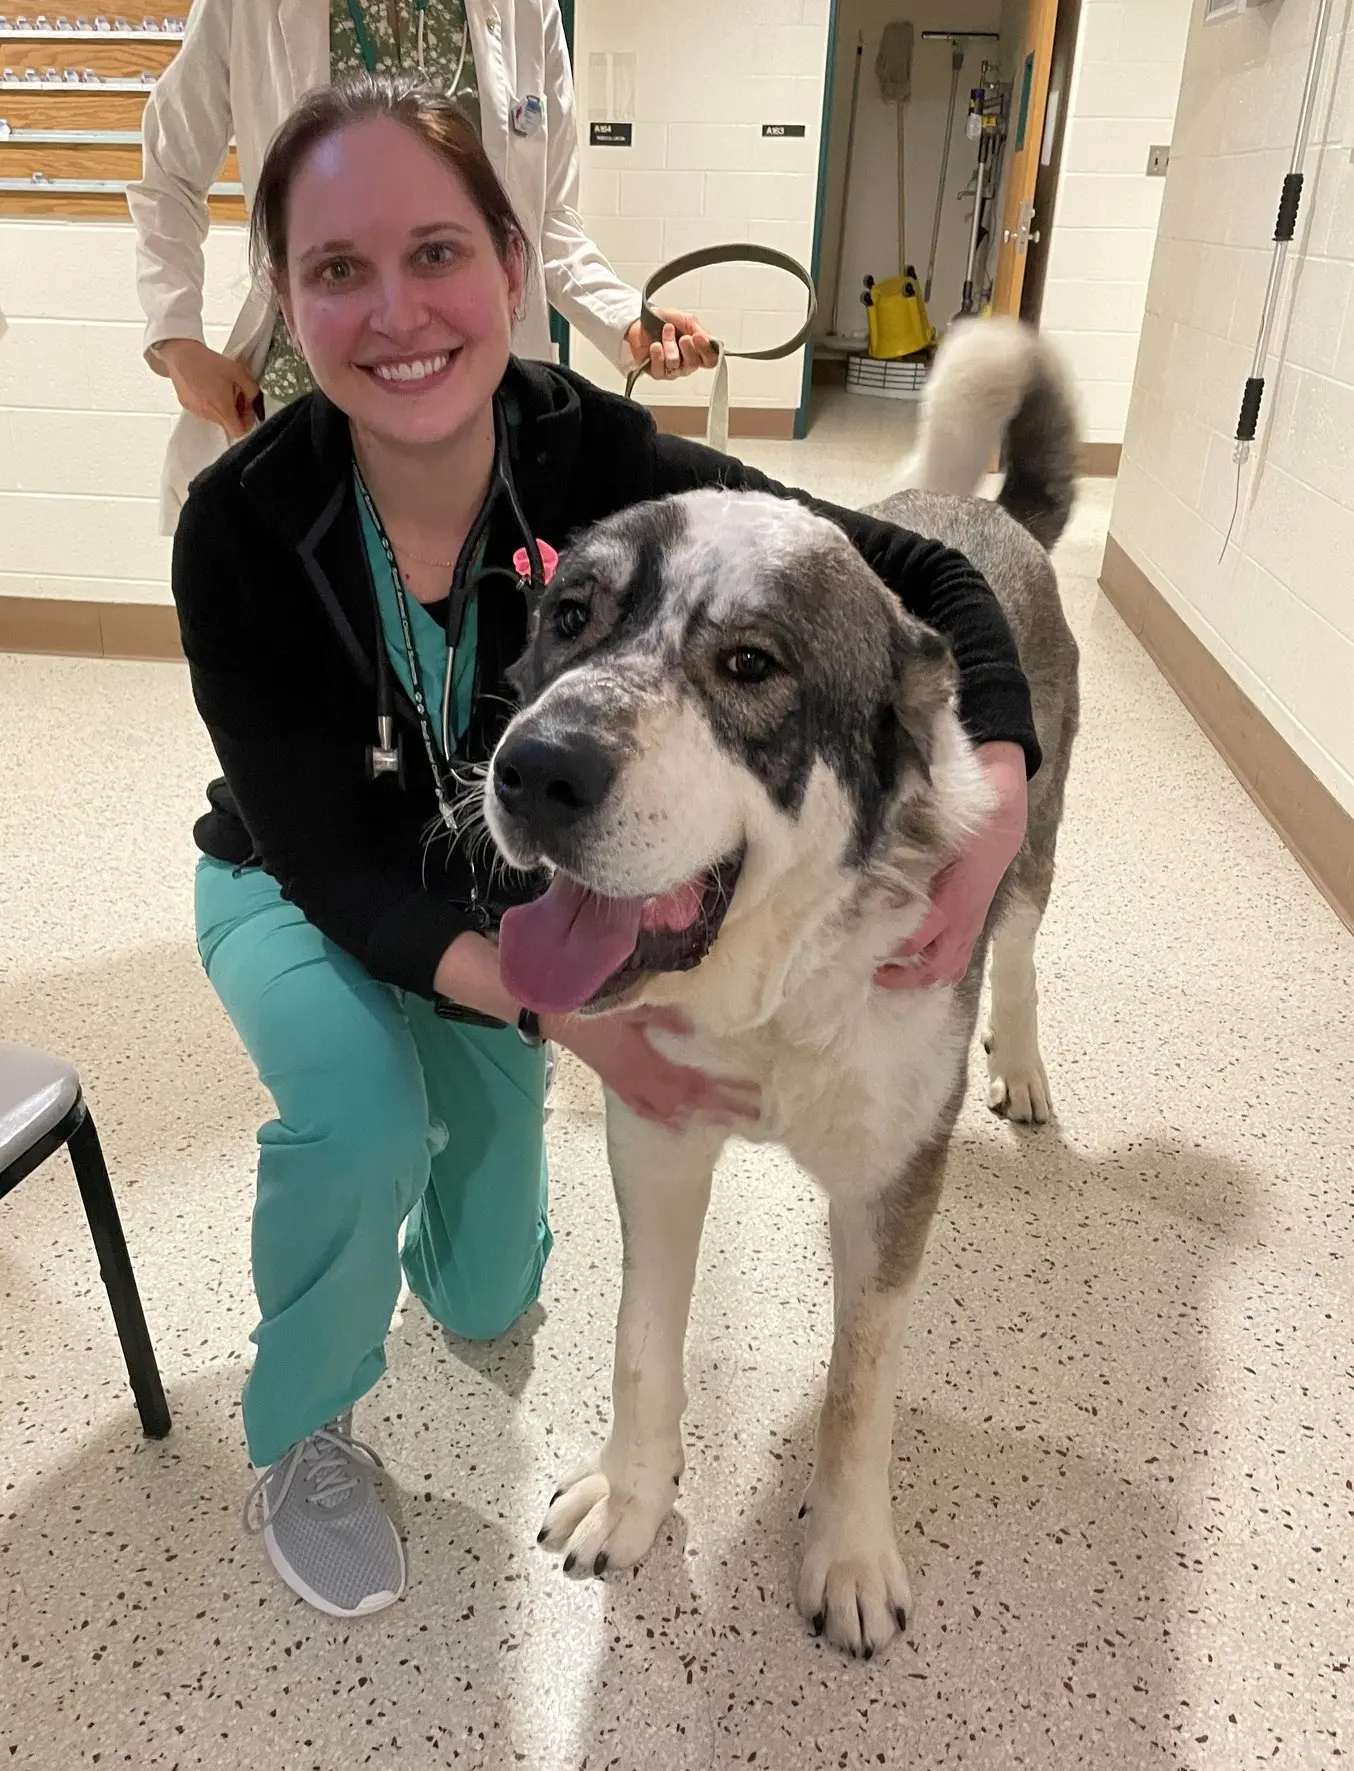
(382, 35)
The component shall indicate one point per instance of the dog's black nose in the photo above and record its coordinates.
(552, 781)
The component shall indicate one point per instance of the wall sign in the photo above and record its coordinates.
(610, 135)
(779, 129)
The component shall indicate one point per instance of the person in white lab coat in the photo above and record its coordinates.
(242, 67)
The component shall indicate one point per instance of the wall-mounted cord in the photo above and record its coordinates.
(1285, 227)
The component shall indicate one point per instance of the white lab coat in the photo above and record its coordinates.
(242, 67)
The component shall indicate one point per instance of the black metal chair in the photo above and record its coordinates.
(42, 1108)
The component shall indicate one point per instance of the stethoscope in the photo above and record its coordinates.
(525, 114)
(367, 49)
(386, 756)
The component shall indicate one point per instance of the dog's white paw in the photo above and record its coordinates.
(853, 1587)
(600, 1524)
(1017, 1086)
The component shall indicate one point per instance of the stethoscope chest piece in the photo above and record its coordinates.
(386, 756)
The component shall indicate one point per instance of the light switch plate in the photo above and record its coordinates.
(1158, 159)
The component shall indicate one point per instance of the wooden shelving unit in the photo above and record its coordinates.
(71, 99)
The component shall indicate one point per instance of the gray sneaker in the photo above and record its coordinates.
(325, 1529)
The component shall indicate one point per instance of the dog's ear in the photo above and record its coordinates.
(925, 682)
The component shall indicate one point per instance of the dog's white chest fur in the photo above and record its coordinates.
(851, 1095)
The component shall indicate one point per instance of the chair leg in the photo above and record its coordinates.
(115, 1266)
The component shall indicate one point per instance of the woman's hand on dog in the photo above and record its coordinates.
(938, 953)
(618, 1048)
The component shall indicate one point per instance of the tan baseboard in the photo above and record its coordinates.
(89, 630)
(774, 423)
(1100, 461)
(1311, 821)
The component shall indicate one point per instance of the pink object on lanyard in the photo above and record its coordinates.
(521, 563)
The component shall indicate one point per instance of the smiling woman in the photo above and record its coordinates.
(404, 319)
(361, 567)
(240, 70)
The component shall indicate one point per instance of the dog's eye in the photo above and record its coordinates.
(748, 664)
(571, 617)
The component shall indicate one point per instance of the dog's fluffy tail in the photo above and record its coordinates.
(996, 387)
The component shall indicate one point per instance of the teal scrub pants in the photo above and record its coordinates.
(386, 1115)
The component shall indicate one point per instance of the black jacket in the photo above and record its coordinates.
(279, 628)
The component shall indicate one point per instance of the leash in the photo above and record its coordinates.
(717, 426)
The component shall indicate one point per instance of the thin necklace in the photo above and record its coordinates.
(422, 559)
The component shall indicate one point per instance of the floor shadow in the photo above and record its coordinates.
(507, 1362)
(152, 1045)
(1053, 1433)
(134, 1608)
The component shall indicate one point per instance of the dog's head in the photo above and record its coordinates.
(728, 724)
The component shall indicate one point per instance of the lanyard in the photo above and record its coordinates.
(367, 49)
(441, 778)
(528, 575)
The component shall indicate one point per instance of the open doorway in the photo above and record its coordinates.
(942, 133)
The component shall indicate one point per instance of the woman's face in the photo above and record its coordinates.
(395, 291)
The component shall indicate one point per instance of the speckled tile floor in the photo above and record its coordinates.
(1125, 1435)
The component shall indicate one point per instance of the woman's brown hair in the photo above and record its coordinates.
(407, 99)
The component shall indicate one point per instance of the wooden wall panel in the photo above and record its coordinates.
(101, 206)
(82, 107)
(85, 106)
(112, 59)
(18, 159)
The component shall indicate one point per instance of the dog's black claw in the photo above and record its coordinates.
(818, 1623)
(542, 1534)
(901, 1615)
(569, 1561)
(867, 1653)
(804, 1509)
(555, 1496)
(599, 1566)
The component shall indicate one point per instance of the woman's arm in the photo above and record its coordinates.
(934, 583)
(579, 281)
(185, 133)
(615, 1046)
(297, 775)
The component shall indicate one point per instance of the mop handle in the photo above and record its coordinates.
(846, 181)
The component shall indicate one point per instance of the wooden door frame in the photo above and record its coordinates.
(559, 326)
(801, 426)
(1041, 17)
(1065, 35)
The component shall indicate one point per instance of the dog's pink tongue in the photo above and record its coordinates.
(556, 953)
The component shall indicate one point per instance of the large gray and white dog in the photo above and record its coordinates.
(739, 754)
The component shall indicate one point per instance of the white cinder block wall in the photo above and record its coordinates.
(1278, 612)
(83, 421)
(699, 173)
(1122, 100)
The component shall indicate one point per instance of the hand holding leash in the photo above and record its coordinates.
(709, 352)
(680, 347)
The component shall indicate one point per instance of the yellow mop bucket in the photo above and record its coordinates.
(897, 317)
